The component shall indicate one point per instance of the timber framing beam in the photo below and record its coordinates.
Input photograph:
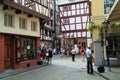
(24, 9)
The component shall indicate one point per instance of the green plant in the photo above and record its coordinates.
(40, 62)
(113, 25)
(91, 26)
(101, 35)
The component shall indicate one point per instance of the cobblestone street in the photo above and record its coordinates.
(61, 69)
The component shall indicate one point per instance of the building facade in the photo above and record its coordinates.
(74, 17)
(106, 10)
(20, 23)
(50, 30)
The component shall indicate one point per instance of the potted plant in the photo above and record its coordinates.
(40, 62)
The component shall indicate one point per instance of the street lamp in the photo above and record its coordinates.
(105, 25)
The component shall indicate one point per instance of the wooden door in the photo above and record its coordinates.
(8, 52)
(82, 42)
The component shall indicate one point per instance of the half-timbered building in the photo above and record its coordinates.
(20, 23)
(74, 17)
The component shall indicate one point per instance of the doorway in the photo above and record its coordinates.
(8, 52)
(82, 42)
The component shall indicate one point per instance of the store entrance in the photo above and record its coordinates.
(8, 52)
(82, 43)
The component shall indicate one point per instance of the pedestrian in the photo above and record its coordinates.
(38, 51)
(47, 57)
(50, 55)
(54, 51)
(89, 61)
(82, 52)
(42, 55)
(62, 53)
(73, 52)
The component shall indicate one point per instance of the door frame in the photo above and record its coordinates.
(10, 52)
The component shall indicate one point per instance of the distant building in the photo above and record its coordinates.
(50, 30)
(74, 17)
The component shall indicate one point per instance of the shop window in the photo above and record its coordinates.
(25, 49)
(114, 46)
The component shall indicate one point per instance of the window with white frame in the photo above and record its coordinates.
(33, 26)
(22, 23)
(108, 5)
(8, 20)
(66, 21)
(65, 8)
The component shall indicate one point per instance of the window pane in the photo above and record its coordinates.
(26, 49)
(108, 5)
(8, 20)
(33, 26)
(5, 19)
(23, 23)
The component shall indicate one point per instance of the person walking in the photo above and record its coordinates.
(73, 54)
(47, 57)
(50, 55)
(54, 51)
(89, 61)
(82, 52)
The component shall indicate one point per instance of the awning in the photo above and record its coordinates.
(114, 14)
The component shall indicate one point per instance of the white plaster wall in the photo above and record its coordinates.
(16, 29)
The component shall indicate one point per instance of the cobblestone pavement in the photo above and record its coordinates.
(61, 69)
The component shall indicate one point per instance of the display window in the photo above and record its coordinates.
(114, 46)
(26, 49)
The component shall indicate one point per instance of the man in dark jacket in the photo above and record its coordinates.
(50, 55)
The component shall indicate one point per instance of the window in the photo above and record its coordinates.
(25, 49)
(43, 2)
(114, 46)
(22, 23)
(33, 26)
(8, 20)
(65, 8)
(66, 21)
(108, 5)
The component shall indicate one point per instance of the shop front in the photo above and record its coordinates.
(114, 48)
(18, 51)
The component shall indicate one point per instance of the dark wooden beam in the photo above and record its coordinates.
(6, 7)
(29, 15)
(18, 12)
